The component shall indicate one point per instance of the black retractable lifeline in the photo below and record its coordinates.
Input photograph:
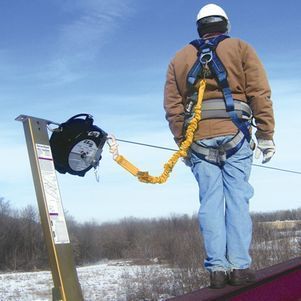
(77, 144)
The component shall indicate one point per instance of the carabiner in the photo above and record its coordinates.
(111, 141)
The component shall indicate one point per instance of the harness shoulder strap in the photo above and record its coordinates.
(199, 43)
(207, 56)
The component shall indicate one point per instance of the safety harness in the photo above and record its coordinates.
(208, 65)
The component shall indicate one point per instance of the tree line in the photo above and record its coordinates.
(174, 240)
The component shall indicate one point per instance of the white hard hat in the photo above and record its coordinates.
(211, 10)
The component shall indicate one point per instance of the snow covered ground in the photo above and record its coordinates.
(104, 281)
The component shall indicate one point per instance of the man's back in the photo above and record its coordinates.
(247, 80)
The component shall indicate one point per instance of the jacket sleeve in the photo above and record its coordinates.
(173, 104)
(258, 93)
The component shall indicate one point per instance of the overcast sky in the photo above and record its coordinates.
(109, 58)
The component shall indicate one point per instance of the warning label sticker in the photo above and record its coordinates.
(52, 194)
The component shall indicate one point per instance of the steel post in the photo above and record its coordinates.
(66, 284)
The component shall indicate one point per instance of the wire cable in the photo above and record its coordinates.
(278, 169)
(148, 145)
(174, 150)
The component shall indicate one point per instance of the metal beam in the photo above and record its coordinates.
(65, 279)
(278, 283)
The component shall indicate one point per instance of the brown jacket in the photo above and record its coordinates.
(247, 80)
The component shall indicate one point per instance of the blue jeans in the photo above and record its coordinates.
(224, 217)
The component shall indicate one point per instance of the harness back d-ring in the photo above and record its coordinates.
(206, 56)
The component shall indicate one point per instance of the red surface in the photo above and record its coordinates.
(284, 288)
(281, 282)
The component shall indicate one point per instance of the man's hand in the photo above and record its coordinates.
(267, 148)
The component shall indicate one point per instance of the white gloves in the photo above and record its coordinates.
(267, 148)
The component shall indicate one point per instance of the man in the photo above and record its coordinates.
(221, 154)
